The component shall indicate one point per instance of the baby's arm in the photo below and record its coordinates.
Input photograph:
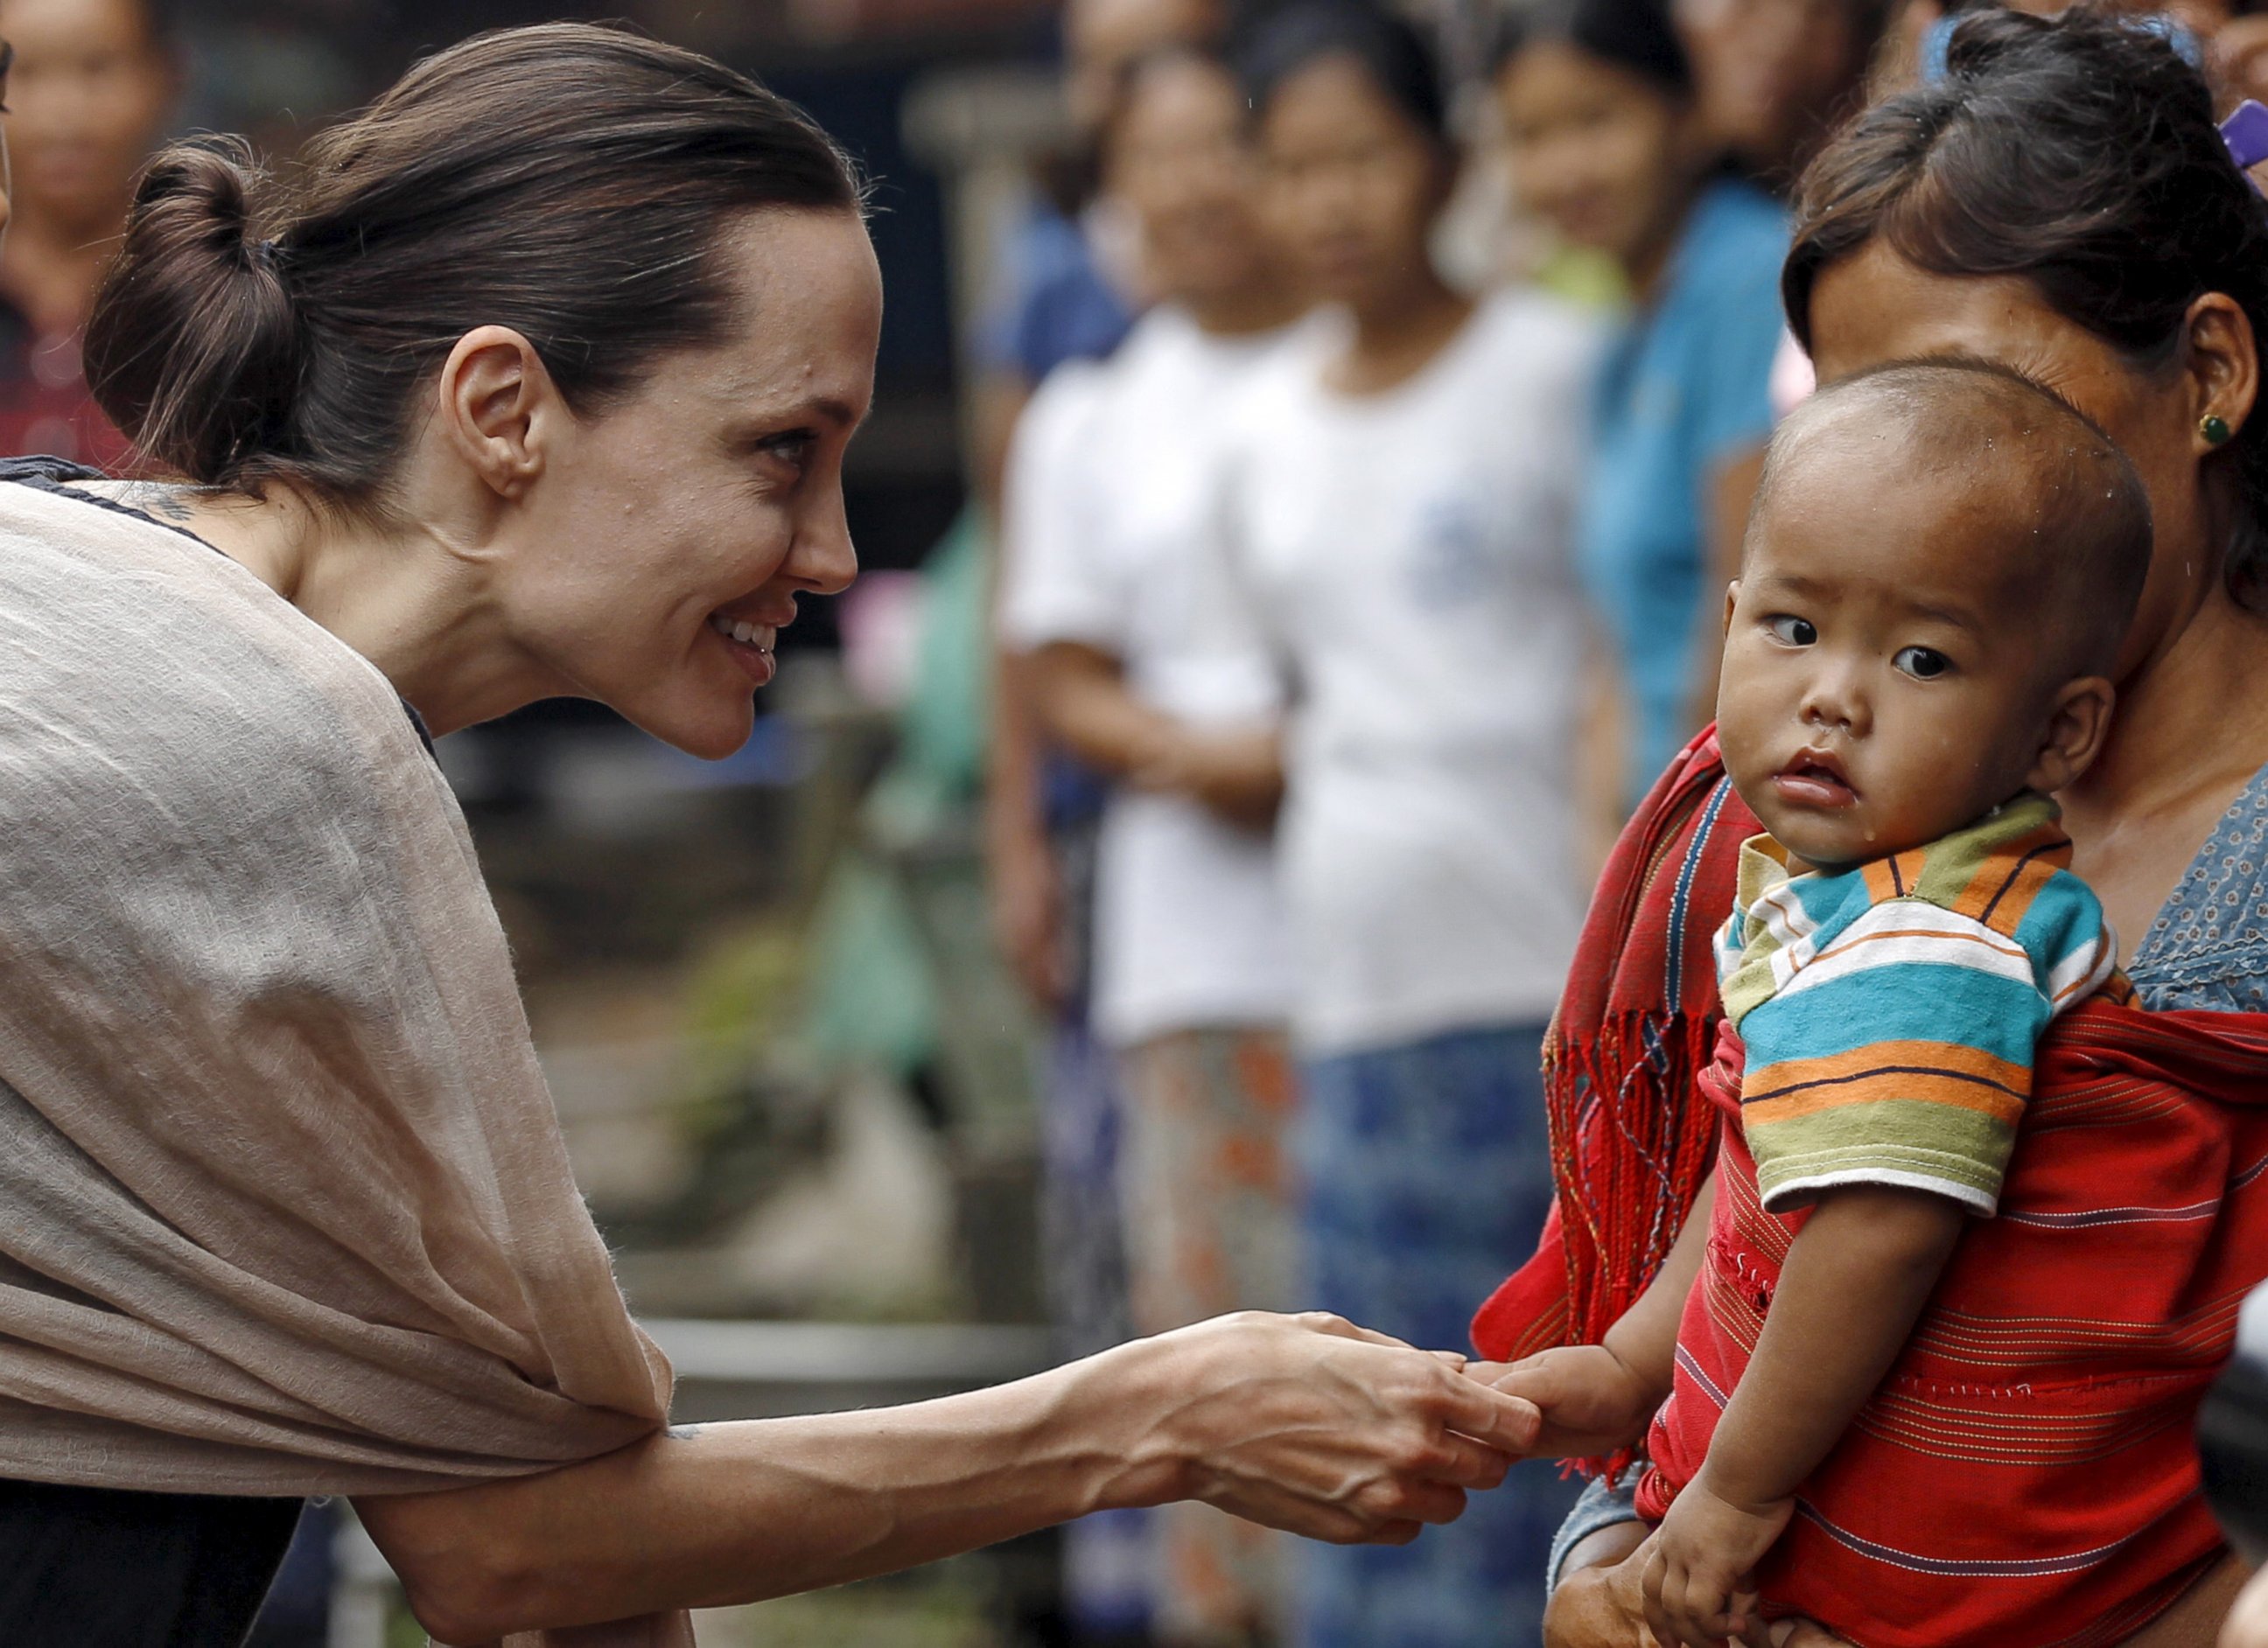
(1598, 1398)
(1855, 1280)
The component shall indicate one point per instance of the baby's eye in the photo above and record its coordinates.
(1791, 631)
(1922, 663)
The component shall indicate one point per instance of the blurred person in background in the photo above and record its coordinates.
(1060, 308)
(94, 84)
(1608, 145)
(1070, 275)
(1137, 670)
(1397, 509)
(1773, 77)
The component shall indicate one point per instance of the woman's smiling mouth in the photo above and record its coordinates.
(751, 645)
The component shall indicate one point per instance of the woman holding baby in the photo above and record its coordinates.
(2059, 203)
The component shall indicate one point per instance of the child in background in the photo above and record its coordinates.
(1942, 564)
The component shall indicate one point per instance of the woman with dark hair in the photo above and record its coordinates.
(1399, 488)
(536, 383)
(1606, 145)
(2061, 202)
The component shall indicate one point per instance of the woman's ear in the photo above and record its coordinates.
(2223, 364)
(2077, 726)
(498, 408)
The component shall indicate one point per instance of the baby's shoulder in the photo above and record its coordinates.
(2017, 912)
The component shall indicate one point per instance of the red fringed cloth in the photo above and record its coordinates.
(2049, 1391)
(1631, 1140)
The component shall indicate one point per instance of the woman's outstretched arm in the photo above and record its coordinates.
(1304, 1423)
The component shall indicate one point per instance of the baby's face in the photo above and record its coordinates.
(1885, 681)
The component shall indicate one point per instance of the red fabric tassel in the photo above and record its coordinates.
(1631, 1141)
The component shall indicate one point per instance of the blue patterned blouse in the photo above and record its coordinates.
(2208, 949)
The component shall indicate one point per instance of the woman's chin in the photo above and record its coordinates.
(710, 731)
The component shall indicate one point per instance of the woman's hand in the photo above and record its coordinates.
(1593, 1402)
(1311, 1425)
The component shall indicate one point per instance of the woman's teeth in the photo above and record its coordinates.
(761, 637)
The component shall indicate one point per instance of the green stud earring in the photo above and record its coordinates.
(2215, 429)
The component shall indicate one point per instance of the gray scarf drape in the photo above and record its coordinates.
(283, 1206)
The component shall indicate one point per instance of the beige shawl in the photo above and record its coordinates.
(284, 1207)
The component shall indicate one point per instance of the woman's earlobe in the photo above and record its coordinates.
(2224, 362)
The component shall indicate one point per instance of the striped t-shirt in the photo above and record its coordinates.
(1891, 1011)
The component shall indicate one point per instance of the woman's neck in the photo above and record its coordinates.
(1397, 335)
(407, 596)
(2195, 719)
(2190, 731)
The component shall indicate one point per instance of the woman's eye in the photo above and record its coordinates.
(1790, 630)
(1922, 663)
(794, 450)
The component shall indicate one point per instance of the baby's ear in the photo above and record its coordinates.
(2078, 723)
(1732, 600)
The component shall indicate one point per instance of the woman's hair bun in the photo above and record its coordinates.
(193, 347)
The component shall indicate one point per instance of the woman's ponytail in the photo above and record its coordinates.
(194, 348)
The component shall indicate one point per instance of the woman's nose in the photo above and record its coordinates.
(824, 560)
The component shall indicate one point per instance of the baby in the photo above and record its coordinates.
(1941, 564)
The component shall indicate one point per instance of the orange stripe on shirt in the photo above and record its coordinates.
(1953, 1058)
(2006, 883)
(1910, 1083)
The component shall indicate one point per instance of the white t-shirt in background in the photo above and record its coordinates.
(1111, 486)
(1407, 557)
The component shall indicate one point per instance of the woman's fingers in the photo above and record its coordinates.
(1465, 1463)
(1486, 1414)
(1748, 1618)
(1318, 1426)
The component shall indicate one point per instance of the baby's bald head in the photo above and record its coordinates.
(2054, 520)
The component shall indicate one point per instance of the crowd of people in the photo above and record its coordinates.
(1344, 615)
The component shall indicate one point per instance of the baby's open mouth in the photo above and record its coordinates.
(1816, 777)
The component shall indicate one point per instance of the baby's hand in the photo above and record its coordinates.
(1592, 1402)
(1700, 1582)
